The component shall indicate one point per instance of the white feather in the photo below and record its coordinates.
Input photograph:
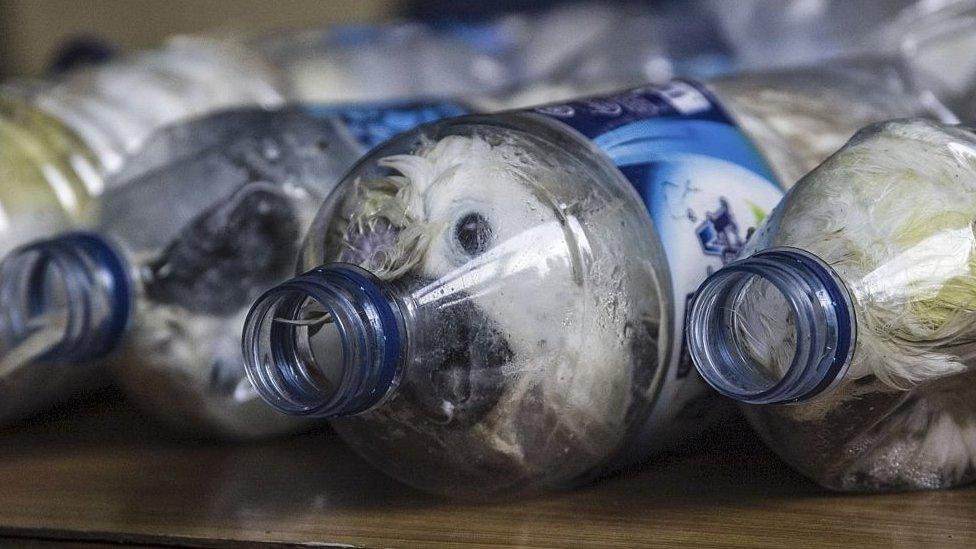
(893, 213)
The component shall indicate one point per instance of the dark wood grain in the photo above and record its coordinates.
(106, 474)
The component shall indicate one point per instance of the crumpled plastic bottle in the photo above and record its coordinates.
(846, 330)
(160, 290)
(491, 310)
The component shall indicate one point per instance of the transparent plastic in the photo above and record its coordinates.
(778, 33)
(47, 346)
(210, 252)
(847, 328)
(61, 138)
(47, 175)
(114, 107)
(511, 58)
(489, 314)
(935, 40)
(520, 344)
(201, 235)
(799, 116)
(401, 60)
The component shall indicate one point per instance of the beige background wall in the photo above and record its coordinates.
(31, 30)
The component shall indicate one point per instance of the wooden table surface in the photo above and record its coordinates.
(102, 474)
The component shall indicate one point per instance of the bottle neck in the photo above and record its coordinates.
(67, 299)
(329, 343)
(756, 308)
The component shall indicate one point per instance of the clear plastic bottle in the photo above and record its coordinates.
(583, 45)
(490, 309)
(801, 115)
(114, 107)
(354, 63)
(778, 33)
(847, 328)
(60, 139)
(160, 290)
(935, 39)
(47, 175)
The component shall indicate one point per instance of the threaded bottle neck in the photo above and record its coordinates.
(754, 310)
(328, 343)
(68, 298)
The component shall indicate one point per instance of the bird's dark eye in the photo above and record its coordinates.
(473, 234)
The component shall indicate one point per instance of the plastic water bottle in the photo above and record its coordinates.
(494, 304)
(935, 39)
(160, 289)
(846, 330)
(583, 45)
(777, 33)
(115, 106)
(48, 174)
(61, 138)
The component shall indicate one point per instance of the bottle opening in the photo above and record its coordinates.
(34, 309)
(776, 327)
(763, 329)
(304, 357)
(48, 294)
(328, 343)
(320, 343)
(64, 299)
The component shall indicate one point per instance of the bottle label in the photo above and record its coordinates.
(704, 184)
(370, 124)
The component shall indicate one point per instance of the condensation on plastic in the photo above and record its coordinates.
(538, 325)
(893, 213)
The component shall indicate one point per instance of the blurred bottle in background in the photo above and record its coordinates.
(61, 138)
(527, 55)
(113, 107)
(160, 289)
(936, 38)
(765, 34)
(798, 116)
(932, 38)
(560, 52)
(47, 174)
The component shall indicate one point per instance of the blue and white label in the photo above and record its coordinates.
(371, 124)
(704, 184)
